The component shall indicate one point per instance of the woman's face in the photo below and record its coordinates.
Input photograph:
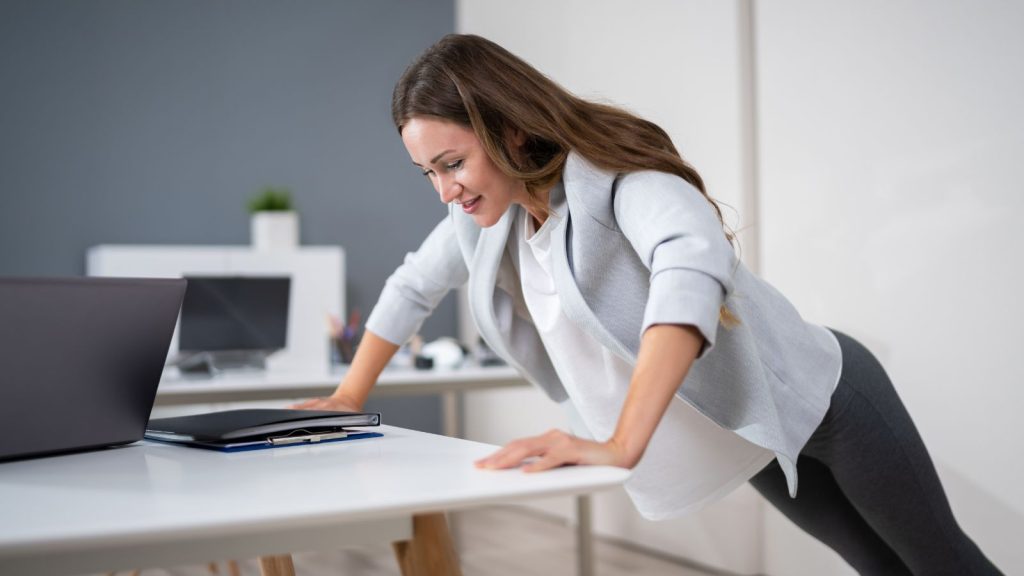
(455, 162)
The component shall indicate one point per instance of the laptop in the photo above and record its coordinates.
(80, 360)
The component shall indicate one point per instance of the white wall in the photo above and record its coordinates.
(890, 135)
(675, 63)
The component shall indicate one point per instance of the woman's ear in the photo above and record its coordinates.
(518, 137)
(515, 139)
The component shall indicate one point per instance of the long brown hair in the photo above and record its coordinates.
(478, 84)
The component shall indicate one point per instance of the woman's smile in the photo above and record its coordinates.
(470, 206)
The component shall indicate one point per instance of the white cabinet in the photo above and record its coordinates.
(317, 285)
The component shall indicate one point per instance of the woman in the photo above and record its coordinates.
(599, 268)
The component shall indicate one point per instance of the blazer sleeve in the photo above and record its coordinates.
(678, 236)
(415, 289)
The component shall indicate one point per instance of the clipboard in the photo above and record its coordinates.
(258, 429)
(299, 438)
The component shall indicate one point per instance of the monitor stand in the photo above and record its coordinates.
(211, 363)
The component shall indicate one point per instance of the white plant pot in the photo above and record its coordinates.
(275, 230)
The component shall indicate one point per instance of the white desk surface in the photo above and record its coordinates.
(255, 385)
(151, 504)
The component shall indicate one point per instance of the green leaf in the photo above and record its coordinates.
(271, 199)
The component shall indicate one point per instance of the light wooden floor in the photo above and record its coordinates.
(494, 541)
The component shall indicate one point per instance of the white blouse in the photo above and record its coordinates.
(690, 461)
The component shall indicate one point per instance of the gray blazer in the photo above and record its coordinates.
(636, 249)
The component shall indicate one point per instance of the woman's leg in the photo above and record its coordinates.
(878, 460)
(822, 510)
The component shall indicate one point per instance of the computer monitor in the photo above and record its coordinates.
(234, 314)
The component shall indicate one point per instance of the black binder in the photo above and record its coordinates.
(254, 429)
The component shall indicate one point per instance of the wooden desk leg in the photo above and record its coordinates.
(430, 552)
(584, 536)
(233, 569)
(277, 565)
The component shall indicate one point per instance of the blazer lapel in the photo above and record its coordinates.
(578, 177)
(583, 182)
(573, 303)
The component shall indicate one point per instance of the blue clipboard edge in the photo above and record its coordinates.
(248, 446)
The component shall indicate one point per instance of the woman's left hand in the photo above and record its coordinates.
(552, 449)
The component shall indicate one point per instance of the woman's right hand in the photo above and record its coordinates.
(333, 402)
(372, 355)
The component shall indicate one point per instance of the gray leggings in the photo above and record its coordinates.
(868, 488)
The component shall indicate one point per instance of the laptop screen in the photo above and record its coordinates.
(81, 360)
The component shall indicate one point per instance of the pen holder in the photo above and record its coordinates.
(344, 348)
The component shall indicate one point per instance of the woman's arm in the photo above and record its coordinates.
(678, 237)
(371, 357)
(409, 296)
(666, 353)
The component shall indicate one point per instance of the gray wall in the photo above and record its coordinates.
(154, 121)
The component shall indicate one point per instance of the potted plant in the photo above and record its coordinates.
(274, 224)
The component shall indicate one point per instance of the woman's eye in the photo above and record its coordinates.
(454, 165)
(427, 173)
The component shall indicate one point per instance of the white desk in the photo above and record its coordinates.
(450, 384)
(153, 504)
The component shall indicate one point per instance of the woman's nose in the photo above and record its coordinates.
(449, 189)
